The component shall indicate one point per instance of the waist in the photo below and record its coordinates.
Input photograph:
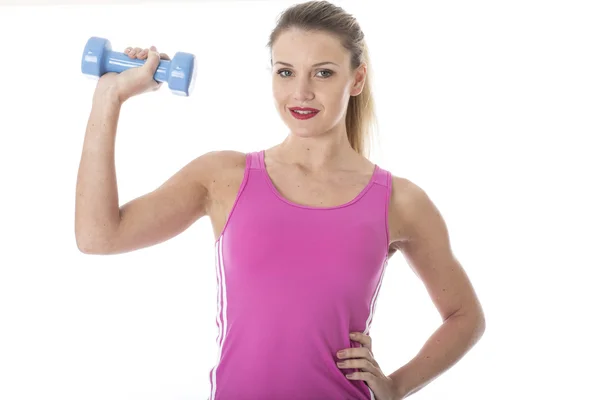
(268, 364)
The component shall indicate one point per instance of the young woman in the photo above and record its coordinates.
(304, 229)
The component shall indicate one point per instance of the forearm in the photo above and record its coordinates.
(97, 202)
(446, 346)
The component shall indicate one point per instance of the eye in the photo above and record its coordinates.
(326, 71)
(283, 70)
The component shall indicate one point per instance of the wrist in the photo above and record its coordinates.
(400, 392)
(108, 96)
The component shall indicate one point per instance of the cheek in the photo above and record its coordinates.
(278, 94)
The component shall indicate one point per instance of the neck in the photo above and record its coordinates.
(317, 153)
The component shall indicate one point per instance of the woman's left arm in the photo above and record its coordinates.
(428, 252)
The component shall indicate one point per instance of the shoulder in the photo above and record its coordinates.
(221, 159)
(410, 206)
(213, 163)
(405, 191)
(213, 166)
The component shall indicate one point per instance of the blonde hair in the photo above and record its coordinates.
(326, 17)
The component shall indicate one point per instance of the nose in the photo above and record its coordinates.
(303, 90)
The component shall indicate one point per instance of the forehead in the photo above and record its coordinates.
(297, 47)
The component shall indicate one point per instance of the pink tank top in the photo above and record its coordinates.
(293, 282)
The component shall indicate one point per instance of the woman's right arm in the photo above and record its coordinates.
(101, 226)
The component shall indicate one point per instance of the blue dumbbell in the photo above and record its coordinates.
(180, 72)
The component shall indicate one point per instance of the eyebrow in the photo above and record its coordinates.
(315, 65)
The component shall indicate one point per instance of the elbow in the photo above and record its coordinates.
(92, 247)
(88, 249)
(482, 324)
(478, 323)
(480, 318)
(474, 320)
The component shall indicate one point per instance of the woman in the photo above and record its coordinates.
(303, 230)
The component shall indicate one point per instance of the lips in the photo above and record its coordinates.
(303, 109)
(307, 113)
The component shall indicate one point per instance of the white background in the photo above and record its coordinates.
(491, 107)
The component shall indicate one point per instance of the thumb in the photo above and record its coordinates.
(152, 61)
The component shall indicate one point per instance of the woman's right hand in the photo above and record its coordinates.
(135, 80)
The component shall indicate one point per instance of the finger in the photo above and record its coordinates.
(162, 56)
(367, 356)
(359, 353)
(134, 51)
(363, 339)
(153, 58)
(143, 54)
(362, 376)
(355, 352)
(360, 337)
(362, 364)
(151, 65)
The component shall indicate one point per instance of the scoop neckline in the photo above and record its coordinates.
(298, 205)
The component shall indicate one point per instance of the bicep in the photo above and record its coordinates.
(428, 252)
(165, 212)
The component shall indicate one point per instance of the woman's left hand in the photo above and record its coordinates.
(362, 357)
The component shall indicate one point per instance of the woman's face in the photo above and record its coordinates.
(312, 70)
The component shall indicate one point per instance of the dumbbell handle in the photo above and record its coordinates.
(115, 61)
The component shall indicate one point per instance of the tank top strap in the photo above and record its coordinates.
(255, 160)
(382, 177)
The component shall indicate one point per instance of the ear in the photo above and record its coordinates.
(360, 78)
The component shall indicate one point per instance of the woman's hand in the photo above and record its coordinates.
(136, 80)
(362, 357)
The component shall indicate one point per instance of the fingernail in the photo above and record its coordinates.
(341, 353)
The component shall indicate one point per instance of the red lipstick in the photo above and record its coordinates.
(305, 112)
